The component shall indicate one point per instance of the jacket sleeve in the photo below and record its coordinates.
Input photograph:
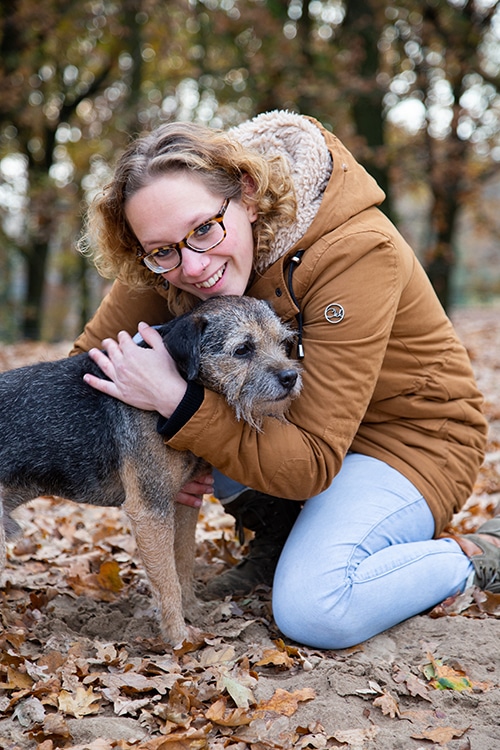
(299, 458)
(122, 309)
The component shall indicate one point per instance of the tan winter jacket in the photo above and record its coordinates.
(384, 372)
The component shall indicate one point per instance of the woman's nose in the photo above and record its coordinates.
(193, 263)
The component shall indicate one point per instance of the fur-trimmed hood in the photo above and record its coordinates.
(318, 163)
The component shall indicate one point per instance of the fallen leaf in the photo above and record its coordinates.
(387, 704)
(240, 693)
(416, 687)
(54, 725)
(275, 658)
(356, 738)
(285, 703)
(211, 656)
(109, 576)
(80, 703)
(372, 689)
(189, 739)
(16, 680)
(443, 677)
(312, 736)
(132, 682)
(220, 714)
(453, 605)
(441, 735)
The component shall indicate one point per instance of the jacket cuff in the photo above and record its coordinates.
(191, 402)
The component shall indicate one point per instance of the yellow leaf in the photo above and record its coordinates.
(217, 710)
(285, 703)
(78, 704)
(17, 680)
(109, 576)
(443, 677)
(276, 658)
(189, 739)
(290, 650)
(219, 714)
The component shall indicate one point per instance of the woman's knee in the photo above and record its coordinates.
(306, 616)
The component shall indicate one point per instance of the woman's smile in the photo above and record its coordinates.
(213, 279)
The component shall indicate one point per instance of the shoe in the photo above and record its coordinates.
(487, 565)
(271, 519)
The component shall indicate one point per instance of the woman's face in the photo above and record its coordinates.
(167, 209)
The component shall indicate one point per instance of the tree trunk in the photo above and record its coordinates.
(36, 264)
(363, 23)
(448, 161)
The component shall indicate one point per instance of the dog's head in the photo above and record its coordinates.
(237, 346)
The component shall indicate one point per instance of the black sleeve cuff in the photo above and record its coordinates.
(191, 402)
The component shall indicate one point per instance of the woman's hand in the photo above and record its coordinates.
(192, 492)
(145, 378)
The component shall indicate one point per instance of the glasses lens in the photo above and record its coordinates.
(206, 236)
(162, 260)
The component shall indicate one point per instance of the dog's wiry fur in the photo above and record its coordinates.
(61, 437)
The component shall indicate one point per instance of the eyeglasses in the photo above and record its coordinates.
(204, 237)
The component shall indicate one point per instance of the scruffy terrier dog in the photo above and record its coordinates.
(61, 437)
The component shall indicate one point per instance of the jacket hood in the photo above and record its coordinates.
(321, 168)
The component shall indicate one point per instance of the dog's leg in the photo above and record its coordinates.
(185, 549)
(154, 535)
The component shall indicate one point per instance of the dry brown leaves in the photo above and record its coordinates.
(206, 695)
(202, 694)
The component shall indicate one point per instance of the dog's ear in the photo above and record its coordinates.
(183, 341)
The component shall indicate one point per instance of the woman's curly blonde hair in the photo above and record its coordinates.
(213, 156)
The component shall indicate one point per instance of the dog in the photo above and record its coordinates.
(63, 438)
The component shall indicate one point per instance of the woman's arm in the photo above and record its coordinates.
(342, 366)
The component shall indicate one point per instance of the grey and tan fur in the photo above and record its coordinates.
(61, 437)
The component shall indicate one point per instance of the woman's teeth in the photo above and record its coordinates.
(212, 280)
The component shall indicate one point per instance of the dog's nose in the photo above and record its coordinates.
(288, 378)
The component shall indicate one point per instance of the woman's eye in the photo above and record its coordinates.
(205, 229)
(162, 252)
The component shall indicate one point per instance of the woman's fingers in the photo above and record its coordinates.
(192, 492)
(144, 377)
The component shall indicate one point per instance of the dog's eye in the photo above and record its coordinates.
(287, 345)
(243, 350)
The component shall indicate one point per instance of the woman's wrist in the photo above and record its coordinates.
(173, 393)
(187, 407)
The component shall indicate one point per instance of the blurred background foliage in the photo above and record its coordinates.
(411, 88)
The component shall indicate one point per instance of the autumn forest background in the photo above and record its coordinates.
(411, 88)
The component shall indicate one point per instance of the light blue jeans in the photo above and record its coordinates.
(361, 558)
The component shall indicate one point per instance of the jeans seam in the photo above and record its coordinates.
(350, 567)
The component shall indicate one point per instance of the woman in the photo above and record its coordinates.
(385, 441)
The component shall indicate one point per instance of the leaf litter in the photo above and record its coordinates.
(82, 663)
